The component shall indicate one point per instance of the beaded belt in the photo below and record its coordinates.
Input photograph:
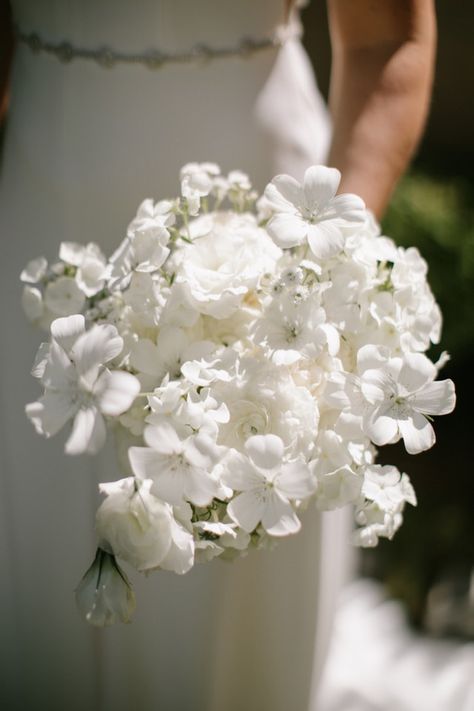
(155, 59)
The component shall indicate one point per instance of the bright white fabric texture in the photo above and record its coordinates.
(84, 145)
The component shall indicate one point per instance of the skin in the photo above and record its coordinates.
(383, 54)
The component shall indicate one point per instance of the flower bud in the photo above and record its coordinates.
(104, 595)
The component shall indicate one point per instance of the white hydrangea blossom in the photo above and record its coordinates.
(250, 353)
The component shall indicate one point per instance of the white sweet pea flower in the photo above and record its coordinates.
(32, 303)
(386, 487)
(180, 468)
(197, 181)
(90, 263)
(400, 393)
(311, 211)
(141, 529)
(375, 523)
(104, 596)
(268, 485)
(77, 385)
(145, 247)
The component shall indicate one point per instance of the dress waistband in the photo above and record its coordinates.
(108, 57)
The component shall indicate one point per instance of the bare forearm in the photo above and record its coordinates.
(6, 48)
(380, 92)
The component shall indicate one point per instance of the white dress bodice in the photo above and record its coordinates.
(84, 145)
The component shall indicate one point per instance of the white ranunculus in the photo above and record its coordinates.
(220, 267)
(263, 399)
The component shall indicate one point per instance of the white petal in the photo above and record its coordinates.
(416, 371)
(96, 347)
(50, 413)
(418, 434)
(295, 481)
(279, 519)
(163, 439)
(180, 557)
(287, 230)
(145, 462)
(88, 432)
(246, 510)
(145, 357)
(349, 207)
(284, 192)
(66, 331)
(115, 391)
(240, 474)
(199, 488)
(34, 270)
(320, 185)
(266, 451)
(438, 398)
(381, 429)
(325, 240)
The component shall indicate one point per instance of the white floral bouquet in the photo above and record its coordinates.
(247, 354)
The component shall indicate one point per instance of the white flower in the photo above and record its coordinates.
(386, 487)
(90, 262)
(262, 398)
(78, 387)
(181, 469)
(338, 488)
(222, 266)
(173, 348)
(63, 297)
(400, 392)
(34, 271)
(295, 330)
(311, 211)
(267, 484)
(197, 181)
(104, 595)
(145, 247)
(141, 529)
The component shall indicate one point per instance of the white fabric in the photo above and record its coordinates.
(376, 663)
(84, 145)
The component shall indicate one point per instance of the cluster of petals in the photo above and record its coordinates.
(250, 355)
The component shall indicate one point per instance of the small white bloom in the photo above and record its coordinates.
(399, 395)
(78, 387)
(311, 211)
(268, 485)
(180, 468)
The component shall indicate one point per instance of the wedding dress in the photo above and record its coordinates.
(87, 139)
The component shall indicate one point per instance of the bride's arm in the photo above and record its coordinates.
(6, 47)
(381, 78)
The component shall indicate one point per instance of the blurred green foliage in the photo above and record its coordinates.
(436, 214)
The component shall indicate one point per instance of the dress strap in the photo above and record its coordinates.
(154, 58)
